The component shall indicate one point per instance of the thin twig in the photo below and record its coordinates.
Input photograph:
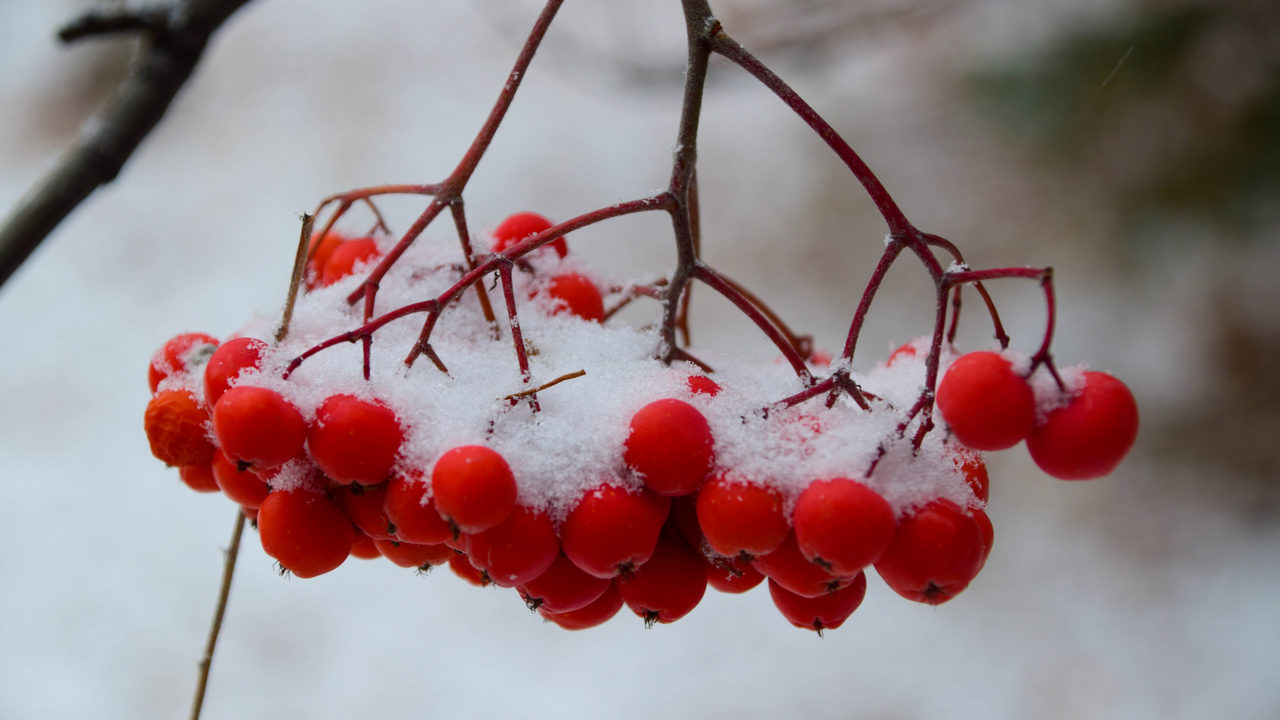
(228, 570)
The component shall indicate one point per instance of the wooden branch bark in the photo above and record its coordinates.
(174, 38)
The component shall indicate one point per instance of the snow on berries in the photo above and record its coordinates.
(483, 410)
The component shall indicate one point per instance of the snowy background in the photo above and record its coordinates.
(1147, 594)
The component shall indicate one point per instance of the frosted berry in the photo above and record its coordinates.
(987, 405)
(354, 440)
(738, 517)
(473, 488)
(516, 550)
(1089, 436)
(842, 525)
(975, 472)
(936, 552)
(613, 530)
(703, 385)
(180, 353)
(522, 225)
(668, 586)
(306, 532)
(176, 423)
(825, 612)
(670, 447)
(258, 426)
(598, 612)
(228, 361)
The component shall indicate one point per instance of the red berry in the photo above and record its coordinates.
(598, 612)
(258, 426)
(732, 575)
(343, 259)
(516, 550)
(180, 354)
(473, 488)
(987, 530)
(975, 472)
(670, 447)
(1089, 436)
(242, 486)
(738, 517)
(612, 529)
(228, 361)
(562, 588)
(936, 552)
(362, 547)
(177, 425)
(413, 513)
(354, 440)
(703, 385)
(790, 569)
(318, 255)
(198, 478)
(462, 567)
(903, 352)
(366, 506)
(825, 612)
(306, 532)
(987, 405)
(577, 295)
(668, 586)
(842, 525)
(413, 555)
(521, 225)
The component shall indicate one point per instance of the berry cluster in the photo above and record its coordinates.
(624, 480)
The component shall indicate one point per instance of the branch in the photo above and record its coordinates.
(176, 37)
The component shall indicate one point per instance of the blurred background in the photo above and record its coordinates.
(1133, 145)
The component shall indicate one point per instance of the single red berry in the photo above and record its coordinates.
(598, 612)
(473, 487)
(413, 513)
(362, 547)
(825, 612)
(987, 405)
(792, 570)
(241, 485)
(732, 575)
(227, 362)
(258, 426)
(522, 225)
(354, 440)
(577, 295)
(1089, 436)
(936, 552)
(516, 550)
(177, 426)
(668, 586)
(179, 354)
(703, 385)
(739, 517)
(199, 478)
(670, 447)
(306, 532)
(613, 530)
(322, 246)
(562, 588)
(344, 258)
(413, 555)
(462, 567)
(842, 525)
(366, 506)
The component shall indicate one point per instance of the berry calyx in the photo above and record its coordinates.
(987, 405)
(670, 447)
(473, 488)
(523, 225)
(1089, 436)
(842, 525)
(354, 440)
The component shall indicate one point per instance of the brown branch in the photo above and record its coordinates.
(228, 570)
(176, 37)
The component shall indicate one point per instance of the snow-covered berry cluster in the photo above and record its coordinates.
(586, 472)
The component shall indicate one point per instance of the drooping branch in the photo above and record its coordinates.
(174, 38)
